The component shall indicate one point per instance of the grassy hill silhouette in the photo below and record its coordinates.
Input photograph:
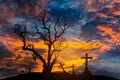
(57, 76)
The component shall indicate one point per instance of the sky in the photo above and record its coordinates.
(93, 28)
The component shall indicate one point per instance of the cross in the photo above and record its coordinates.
(61, 65)
(73, 66)
(86, 59)
(30, 68)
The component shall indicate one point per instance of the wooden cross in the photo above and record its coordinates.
(86, 59)
(61, 66)
(73, 66)
(30, 69)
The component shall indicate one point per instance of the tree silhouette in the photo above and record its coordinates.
(50, 34)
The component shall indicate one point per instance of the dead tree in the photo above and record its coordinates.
(50, 34)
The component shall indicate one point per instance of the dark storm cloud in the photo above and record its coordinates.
(107, 64)
(5, 30)
(104, 72)
(13, 11)
(92, 20)
(90, 31)
(103, 17)
(111, 53)
(16, 3)
(72, 14)
(4, 52)
(14, 65)
(8, 72)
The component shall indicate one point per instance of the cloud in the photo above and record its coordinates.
(89, 31)
(94, 27)
(8, 72)
(105, 18)
(108, 64)
(70, 10)
(4, 52)
(110, 34)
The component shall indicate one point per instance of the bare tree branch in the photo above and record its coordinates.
(63, 28)
(54, 60)
(21, 32)
(50, 34)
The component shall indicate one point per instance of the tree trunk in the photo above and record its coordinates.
(47, 69)
(49, 55)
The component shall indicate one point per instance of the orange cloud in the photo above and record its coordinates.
(76, 49)
(86, 45)
(70, 55)
(114, 36)
(116, 12)
(102, 1)
(116, 1)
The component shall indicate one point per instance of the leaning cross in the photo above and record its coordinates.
(61, 65)
(86, 59)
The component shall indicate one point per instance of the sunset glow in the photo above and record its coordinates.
(94, 28)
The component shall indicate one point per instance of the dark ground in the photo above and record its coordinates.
(57, 76)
